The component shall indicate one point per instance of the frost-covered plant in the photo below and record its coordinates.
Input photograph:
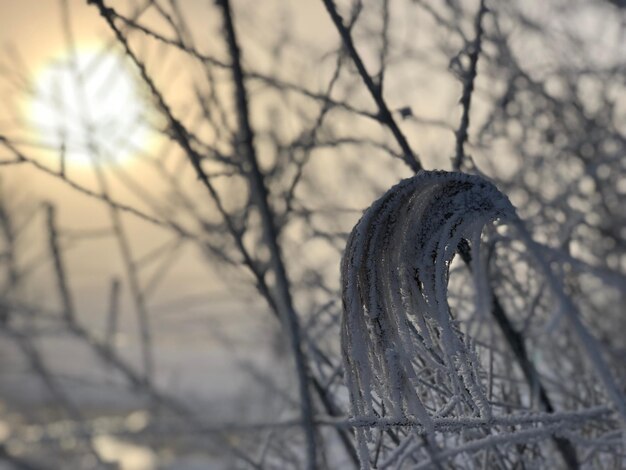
(404, 353)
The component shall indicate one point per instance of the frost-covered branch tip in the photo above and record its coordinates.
(403, 353)
(395, 276)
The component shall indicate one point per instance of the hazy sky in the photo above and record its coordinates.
(34, 29)
(32, 33)
(197, 292)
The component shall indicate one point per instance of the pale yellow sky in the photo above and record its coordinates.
(34, 28)
(197, 302)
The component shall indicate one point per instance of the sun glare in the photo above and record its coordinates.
(90, 108)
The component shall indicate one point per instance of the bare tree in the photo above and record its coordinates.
(505, 356)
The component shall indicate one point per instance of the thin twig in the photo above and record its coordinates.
(467, 77)
(516, 342)
(113, 314)
(137, 294)
(59, 265)
(384, 115)
(260, 195)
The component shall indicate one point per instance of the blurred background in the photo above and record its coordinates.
(178, 180)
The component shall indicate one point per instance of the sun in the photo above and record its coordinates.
(88, 105)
